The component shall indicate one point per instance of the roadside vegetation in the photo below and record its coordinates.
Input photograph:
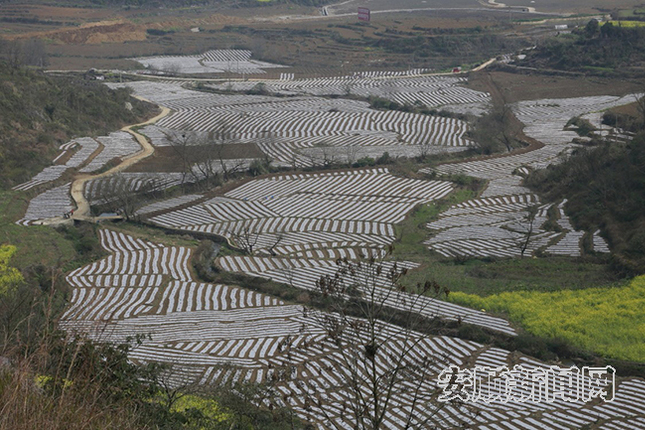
(41, 112)
(604, 49)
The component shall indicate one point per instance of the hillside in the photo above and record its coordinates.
(41, 112)
(604, 188)
(607, 49)
(321, 244)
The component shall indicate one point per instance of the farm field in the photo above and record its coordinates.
(284, 214)
(307, 130)
(197, 328)
(306, 169)
(86, 154)
(497, 225)
(409, 87)
(216, 61)
(588, 317)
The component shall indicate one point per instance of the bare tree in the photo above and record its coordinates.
(278, 238)
(351, 154)
(246, 238)
(34, 53)
(640, 105)
(13, 53)
(218, 142)
(523, 229)
(375, 343)
(203, 156)
(494, 130)
(171, 68)
(124, 197)
(529, 223)
(322, 155)
(424, 149)
(181, 143)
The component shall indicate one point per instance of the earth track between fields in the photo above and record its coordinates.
(82, 211)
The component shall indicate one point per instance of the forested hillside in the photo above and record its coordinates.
(40, 112)
(607, 49)
(605, 189)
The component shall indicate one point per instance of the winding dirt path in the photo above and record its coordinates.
(82, 211)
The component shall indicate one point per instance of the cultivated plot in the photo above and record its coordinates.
(289, 214)
(236, 61)
(498, 224)
(86, 154)
(406, 88)
(305, 130)
(53, 203)
(211, 334)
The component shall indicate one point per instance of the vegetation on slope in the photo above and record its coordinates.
(9, 276)
(50, 380)
(154, 4)
(488, 276)
(604, 190)
(608, 321)
(38, 113)
(595, 48)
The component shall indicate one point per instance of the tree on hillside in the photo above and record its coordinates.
(494, 131)
(374, 345)
(203, 156)
(18, 53)
(523, 229)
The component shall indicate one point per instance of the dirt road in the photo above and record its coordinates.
(82, 211)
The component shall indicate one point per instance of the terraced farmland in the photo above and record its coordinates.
(103, 189)
(214, 333)
(411, 88)
(88, 154)
(495, 225)
(287, 214)
(117, 145)
(303, 273)
(294, 130)
(236, 61)
(49, 204)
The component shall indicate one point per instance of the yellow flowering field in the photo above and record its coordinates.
(609, 321)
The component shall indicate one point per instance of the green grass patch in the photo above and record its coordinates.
(68, 247)
(487, 277)
(34, 245)
(628, 24)
(608, 321)
(412, 232)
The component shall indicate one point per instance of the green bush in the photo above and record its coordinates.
(364, 162)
